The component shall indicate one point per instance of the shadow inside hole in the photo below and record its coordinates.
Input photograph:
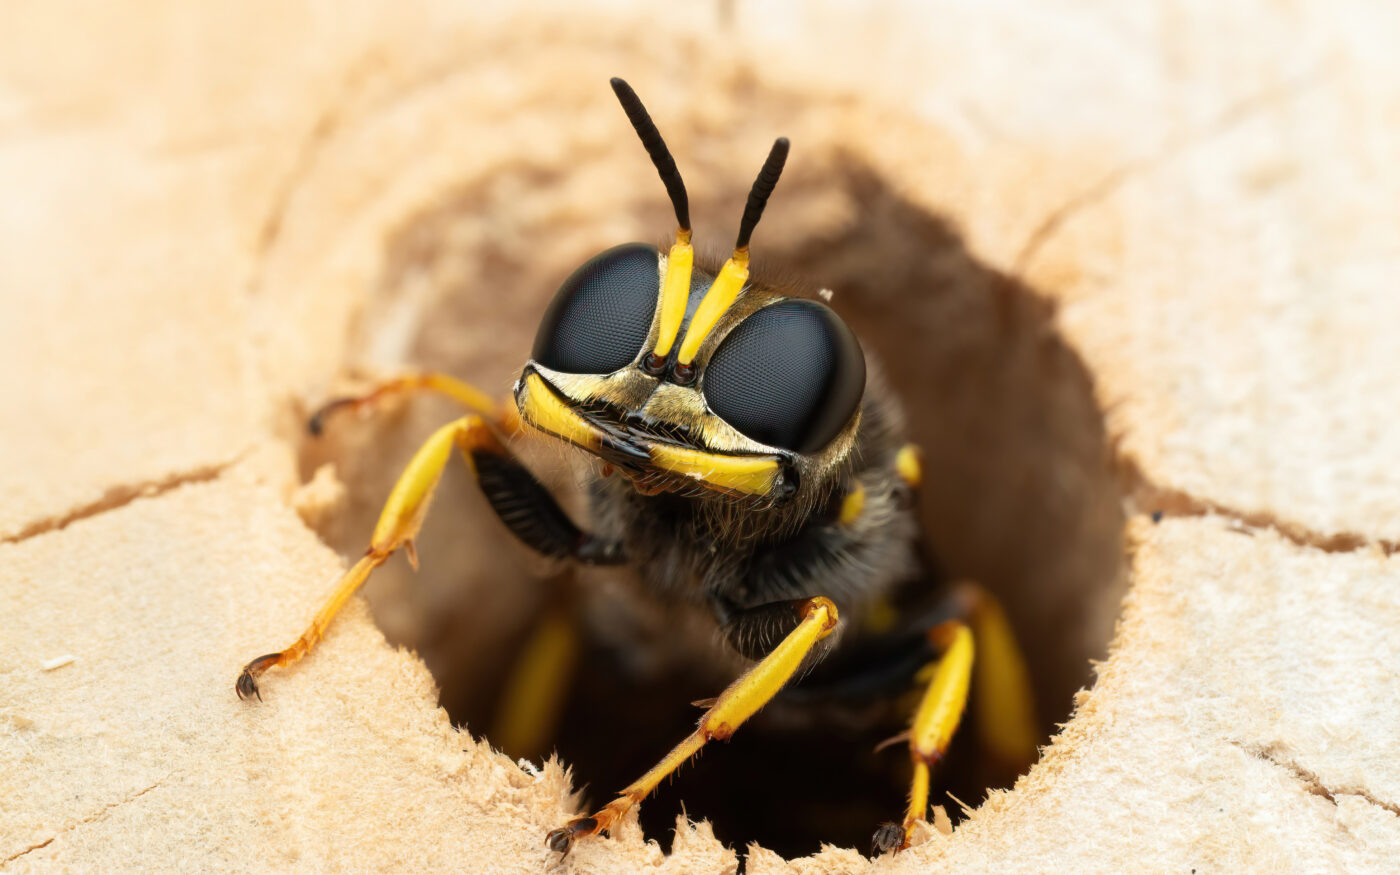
(1018, 495)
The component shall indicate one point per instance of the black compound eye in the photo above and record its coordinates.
(601, 315)
(790, 376)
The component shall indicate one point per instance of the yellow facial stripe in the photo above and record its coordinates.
(722, 293)
(546, 412)
(753, 475)
(750, 475)
(675, 291)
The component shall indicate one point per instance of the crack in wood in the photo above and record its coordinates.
(100, 814)
(1149, 498)
(120, 496)
(1272, 754)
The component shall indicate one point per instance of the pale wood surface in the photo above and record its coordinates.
(202, 202)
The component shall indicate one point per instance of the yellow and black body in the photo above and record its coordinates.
(758, 475)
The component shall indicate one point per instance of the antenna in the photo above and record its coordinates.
(762, 187)
(735, 272)
(660, 155)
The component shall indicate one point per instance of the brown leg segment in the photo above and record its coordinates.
(465, 394)
(739, 701)
(398, 524)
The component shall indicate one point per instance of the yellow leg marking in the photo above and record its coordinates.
(398, 524)
(537, 687)
(754, 689)
(1005, 709)
(1001, 687)
(918, 800)
(465, 394)
(943, 702)
(937, 719)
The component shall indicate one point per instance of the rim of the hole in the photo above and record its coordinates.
(1108, 588)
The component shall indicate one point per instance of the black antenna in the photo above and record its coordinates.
(762, 187)
(656, 148)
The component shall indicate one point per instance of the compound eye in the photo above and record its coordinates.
(601, 315)
(790, 376)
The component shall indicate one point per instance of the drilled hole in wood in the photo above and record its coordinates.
(1019, 494)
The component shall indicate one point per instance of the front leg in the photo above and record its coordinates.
(739, 701)
(398, 524)
(465, 394)
(522, 503)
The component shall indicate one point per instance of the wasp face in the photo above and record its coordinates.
(689, 380)
(759, 399)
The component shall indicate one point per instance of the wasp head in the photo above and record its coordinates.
(690, 380)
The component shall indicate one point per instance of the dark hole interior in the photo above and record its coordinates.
(1018, 495)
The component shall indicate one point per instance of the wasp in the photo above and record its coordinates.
(754, 471)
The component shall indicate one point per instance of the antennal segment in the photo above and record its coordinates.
(735, 272)
(762, 187)
(675, 271)
(656, 148)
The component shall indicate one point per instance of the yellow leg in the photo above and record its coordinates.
(465, 394)
(537, 686)
(1001, 687)
(398, 524)
(737, 703)
(937, 719)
